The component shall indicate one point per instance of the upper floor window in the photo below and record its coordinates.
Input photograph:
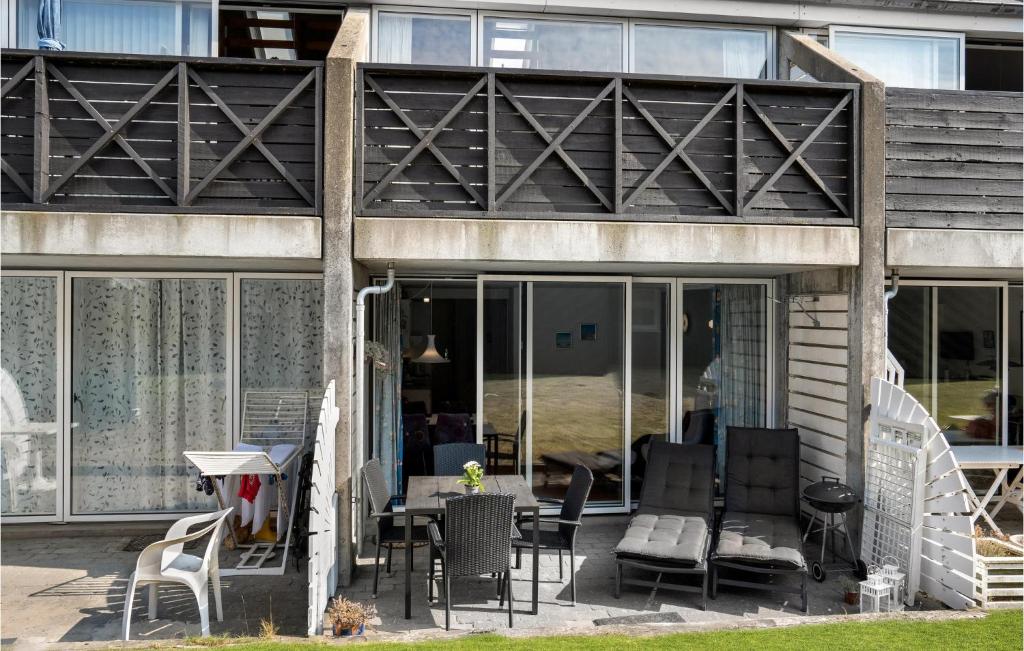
(702, 51)
(533, 43)
(424, 38)
(904, 58)
(175, 27)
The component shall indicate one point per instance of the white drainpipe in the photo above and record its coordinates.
(889, 295)
(358, 430)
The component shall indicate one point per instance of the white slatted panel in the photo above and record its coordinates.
(323, 516)
(818, 375)
(947, 549)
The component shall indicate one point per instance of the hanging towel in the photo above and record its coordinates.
(250, 488)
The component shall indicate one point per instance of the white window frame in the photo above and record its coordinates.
(960, 37)
(59, 408)
(570, 18)
(435, 11)
(1004, 341)
(771, 70)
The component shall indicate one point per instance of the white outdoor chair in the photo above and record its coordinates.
(165, 562)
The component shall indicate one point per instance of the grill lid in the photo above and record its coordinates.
(830, 491)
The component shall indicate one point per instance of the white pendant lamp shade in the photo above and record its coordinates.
(430, 354)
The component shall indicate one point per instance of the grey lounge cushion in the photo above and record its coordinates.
(760, 539)
(677, 538)
(679, 479)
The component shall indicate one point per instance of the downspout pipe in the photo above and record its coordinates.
(358, 428)
(888, 296)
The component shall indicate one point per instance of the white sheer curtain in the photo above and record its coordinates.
(387, 385)
(394, 38)
(149, 381)
(742, 392)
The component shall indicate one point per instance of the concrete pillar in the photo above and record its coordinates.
(350, 46)
(866, 287)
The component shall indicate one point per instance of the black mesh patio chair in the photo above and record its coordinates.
(450, 457)
(670, 530)
(562, 538)
(477, 541)
(760, 528)
(381, 503)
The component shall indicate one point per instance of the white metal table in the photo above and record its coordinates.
(1001, 460)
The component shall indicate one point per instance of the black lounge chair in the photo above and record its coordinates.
(760, 528)
(670, 531)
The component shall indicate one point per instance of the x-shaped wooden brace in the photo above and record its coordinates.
(426, 141)
(678, 147)
(796, 154)
(250, 137)
(11, 84)
(112, 132)
(553, 145)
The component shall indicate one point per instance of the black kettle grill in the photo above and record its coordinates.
(829, 498)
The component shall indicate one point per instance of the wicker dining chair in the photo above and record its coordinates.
(389, 534)
(477, 541)
(450, 457)
(562, 538)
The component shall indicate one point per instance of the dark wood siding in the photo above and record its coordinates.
(953, 159)
(511, 144)
(168, 134)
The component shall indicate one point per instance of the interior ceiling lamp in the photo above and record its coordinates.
(430, 354)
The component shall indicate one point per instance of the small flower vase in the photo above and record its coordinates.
(472, 490)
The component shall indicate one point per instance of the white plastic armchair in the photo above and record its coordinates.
(166, 562)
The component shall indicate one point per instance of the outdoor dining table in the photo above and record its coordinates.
(1000, 459)
(426, 496)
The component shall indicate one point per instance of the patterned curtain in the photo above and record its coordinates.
(149, 380)
(742, 388)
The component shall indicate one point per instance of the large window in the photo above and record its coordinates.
(424, 38)
(906, 59)
(176, 27)
(512, 42)
(701, 51)
(950, 341)
(30, 417)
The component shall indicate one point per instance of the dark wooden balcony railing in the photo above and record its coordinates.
(953, 159)
(160, 134)
(475, 142)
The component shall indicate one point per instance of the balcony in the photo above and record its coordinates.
(124, 133)
(953, 159)
(488, 143)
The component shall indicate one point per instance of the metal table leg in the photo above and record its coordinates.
(536, 559)
(408, 566)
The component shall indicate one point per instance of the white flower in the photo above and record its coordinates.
(470, 464)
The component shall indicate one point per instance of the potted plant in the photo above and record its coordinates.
(347, 617)
(472, 477)
(851, 590)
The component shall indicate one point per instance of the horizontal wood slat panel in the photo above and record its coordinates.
(952, 159)
(168, 134)
(478, 142)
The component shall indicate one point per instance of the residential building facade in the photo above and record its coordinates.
(609, 222)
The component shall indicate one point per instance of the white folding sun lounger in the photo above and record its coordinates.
(274, 427)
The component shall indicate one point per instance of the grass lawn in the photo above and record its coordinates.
(998, 631)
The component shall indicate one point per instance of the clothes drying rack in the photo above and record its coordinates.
(274, 424)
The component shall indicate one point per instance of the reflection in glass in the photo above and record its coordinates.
(650, 380)
(424, 39)
(724, 362)
(281, 330)
(700, 51)
(904, 60)
(542, 44)
(910, 337)
(148, 381)
(28, 422)
(1015, 400)
(578, 406)
(504, 387)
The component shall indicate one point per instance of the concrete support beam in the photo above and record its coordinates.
(955, 252)
(553, 244)
(159, 235)
(350, 46)
(867, 314)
